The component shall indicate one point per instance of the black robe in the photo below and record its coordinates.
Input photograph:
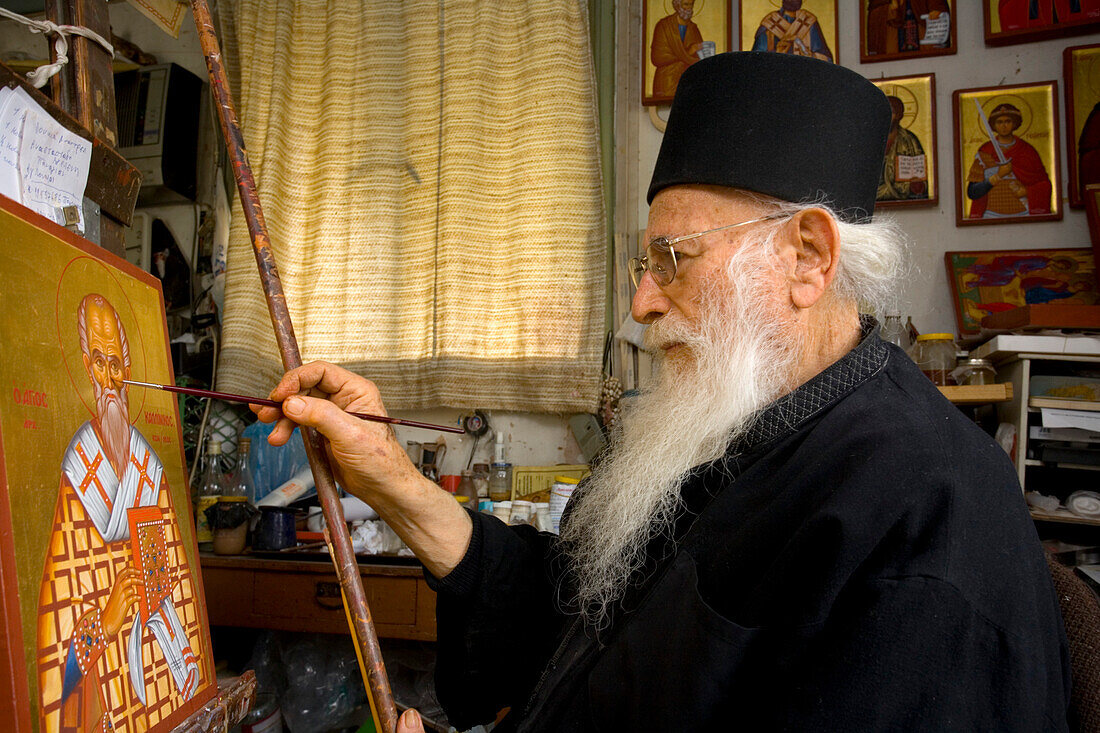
(863, 560)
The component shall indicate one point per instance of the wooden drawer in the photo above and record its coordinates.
(297, 596)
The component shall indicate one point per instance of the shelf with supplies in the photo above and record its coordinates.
(1063, 515)
(977, 394)
(1047, 460)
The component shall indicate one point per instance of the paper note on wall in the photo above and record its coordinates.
(53, 166)
(13, 109)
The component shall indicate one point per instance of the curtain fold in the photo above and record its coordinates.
(430, 178)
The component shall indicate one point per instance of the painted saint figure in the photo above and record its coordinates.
(1019, 14)
(888, 23)
(1013, 183)
(104, 634)
(792, 30)
(904, 169)
(676, 45)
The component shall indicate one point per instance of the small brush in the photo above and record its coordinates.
(227, 397)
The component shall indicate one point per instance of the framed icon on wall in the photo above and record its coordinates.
(909, 167)
(798, 27)
(679, 33)
(1023, 21)
(1006, 154)
(890, 30)
(1081, 66)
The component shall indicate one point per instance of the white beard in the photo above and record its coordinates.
(736, 359)
(114, 425)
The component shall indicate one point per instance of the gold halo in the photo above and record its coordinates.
(694, 10)
(908, 99)
(75, 283)
(1091, 72)
(1016, 101)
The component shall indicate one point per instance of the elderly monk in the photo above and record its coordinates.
(793, 528)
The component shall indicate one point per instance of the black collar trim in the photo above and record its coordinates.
(787, 414)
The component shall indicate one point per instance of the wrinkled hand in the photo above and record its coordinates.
(410, 722)
(124, 595)
(366, 456)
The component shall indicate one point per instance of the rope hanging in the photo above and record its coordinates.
(42, 74)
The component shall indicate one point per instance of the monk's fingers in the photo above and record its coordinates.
(345, 432)
(319, 378)
(282, 431)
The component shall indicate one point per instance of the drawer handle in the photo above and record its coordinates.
(328, 596)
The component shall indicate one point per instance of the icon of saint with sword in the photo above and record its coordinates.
(1007, 177)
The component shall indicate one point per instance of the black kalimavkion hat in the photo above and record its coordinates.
(787, 126)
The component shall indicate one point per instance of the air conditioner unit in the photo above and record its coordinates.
(158, 127)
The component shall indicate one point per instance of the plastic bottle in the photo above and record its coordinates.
(210, 490)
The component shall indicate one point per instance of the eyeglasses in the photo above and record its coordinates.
(660, 258)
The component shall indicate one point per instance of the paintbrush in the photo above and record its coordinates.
(227, 397)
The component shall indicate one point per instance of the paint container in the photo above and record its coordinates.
(276, 530)
(502, 510)
(560, 492)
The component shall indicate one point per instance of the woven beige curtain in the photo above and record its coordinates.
(429, 172)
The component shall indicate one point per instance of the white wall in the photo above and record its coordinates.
(932, 229)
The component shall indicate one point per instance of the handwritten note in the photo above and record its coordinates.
(53, 166)
(42, 165)
(13, 109)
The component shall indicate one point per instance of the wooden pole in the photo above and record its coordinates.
(85, 88)
(342, 553)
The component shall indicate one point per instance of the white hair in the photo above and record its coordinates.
(873, 255)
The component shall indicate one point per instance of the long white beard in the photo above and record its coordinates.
(114, 425)
(735, 360)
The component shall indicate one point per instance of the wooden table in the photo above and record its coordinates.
(304, 595)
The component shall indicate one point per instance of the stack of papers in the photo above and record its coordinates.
(42, 165)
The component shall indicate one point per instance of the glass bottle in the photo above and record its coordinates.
(467, 488)
(893, 332)
(211, 489)
(243, 484)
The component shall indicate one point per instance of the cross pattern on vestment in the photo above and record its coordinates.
(92, 475)
(143, 469)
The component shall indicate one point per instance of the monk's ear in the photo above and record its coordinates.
(814, 241)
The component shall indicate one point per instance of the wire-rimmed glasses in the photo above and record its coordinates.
(660, 257)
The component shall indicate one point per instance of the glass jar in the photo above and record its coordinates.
(500, 482)
(976, 371)
(934, 353)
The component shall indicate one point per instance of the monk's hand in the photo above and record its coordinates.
(410, 722)
(124, 594)
(367, 458)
